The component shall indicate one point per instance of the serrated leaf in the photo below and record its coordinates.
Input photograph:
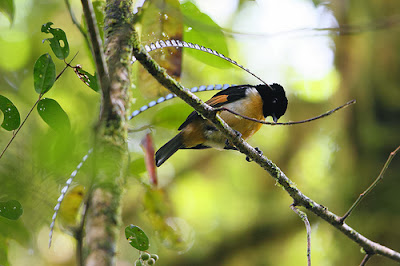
(87, 78)
(137, 238)
(52, 113)
(7, 8)
(202, 30)
(11, 209)
(59, 43)
(162, 19)
(44, 74)
(11, 115)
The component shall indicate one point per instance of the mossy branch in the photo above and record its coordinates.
(299, 198)
(110, 149)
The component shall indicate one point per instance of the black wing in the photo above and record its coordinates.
(229, 95)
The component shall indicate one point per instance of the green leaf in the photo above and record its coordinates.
(58, 43)
(52, 113)
(136, 237)
(11, 209)
(44, 74)
(3, 251)
(172, 116)
(87, 78)
(162, 19)
(7, 8)
(11, 115)
(137, 166)
(15, 229)
(316, 2)
(202, 30)
(98, 8)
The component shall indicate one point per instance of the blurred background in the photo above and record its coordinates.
(212, 207)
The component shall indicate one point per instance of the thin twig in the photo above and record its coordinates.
(382, 24)
(303, 217)
(30, 111)
(66, 66)
(366, 259)
(286, 123)
(79, 232)
(77, 24)
(142, 128)
(372, 186)
(20, 126)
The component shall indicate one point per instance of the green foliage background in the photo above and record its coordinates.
(214, 207)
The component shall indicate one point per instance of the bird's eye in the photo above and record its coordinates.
(274, 101)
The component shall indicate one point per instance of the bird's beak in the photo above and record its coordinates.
(275, 118)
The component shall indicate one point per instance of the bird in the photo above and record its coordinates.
(258, 102)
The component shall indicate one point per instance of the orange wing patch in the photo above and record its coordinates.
(217, 100)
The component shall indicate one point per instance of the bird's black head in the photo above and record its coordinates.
(274, 100)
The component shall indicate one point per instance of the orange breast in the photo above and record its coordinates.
(250, 107)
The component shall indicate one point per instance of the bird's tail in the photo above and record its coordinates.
(168, 149)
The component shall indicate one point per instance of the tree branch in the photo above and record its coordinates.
(384, 23)
(304, 218)
(206, 111)
(110, 150)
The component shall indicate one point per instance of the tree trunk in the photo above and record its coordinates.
(111, 153)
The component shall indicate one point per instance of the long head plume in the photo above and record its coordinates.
(64, 191)
(182, 44)
(171, 96)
